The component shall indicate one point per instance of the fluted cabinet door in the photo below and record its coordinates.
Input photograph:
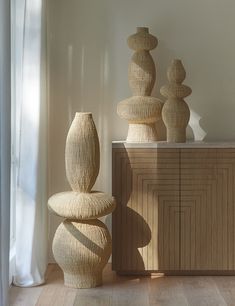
(207, 209)
(146, 222)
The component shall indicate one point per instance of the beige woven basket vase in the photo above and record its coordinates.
(141, 110)
(175, 112)
(82, 243)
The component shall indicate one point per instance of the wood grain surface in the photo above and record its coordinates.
(130, 291)
(175, 210)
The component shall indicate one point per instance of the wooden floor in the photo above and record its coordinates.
(130, 291)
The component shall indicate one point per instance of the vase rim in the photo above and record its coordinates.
(83, 113)
(142, 29)
(176, 60)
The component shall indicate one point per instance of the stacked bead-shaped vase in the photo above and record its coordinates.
(141, 110)
(82, 243)
(175, 112)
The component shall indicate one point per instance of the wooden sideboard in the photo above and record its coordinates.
(175, 208)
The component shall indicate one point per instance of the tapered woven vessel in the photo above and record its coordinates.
(82, 153)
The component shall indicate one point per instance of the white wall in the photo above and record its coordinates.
(88, 58)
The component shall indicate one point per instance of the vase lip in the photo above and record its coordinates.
(83, 114)
(142, 29)
(176, 60)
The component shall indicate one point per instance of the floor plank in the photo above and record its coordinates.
(92, 300)
(226, 287)
(166, 291)
(54, 292)
(24, 296)
(130, 291)
(202, 291)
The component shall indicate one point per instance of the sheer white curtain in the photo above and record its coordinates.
(5, 149)
(29, 193)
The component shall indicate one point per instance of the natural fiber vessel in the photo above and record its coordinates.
(82, 244)
(82, 249)
(82, 153)
(141, 111)
(175, 112)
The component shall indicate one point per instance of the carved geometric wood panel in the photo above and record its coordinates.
(176, 210)
(146, 220)
(207, 188)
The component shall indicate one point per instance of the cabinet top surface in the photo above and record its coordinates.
(168, 145)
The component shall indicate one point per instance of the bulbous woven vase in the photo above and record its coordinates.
(141, 110)
(82, 250)
(175, 112)
(82, 243)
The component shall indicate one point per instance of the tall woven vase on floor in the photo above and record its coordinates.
(82, 243)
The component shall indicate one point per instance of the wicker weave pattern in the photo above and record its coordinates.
(142, 132)
(142, 40)
(138, 109)
(175, 112)
(82, 244)
(142, 73)
(85, 251)
(82, 153)
(81, 206)
(141, 111)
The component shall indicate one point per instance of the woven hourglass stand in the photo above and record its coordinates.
(141, 110)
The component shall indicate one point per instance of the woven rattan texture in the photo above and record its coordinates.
(141, 110)
(175, 112)
(82, 243)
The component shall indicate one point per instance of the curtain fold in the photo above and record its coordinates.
(30, 145)
(5, 148)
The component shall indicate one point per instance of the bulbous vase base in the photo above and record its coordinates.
(176, 135)
(141, 133)
(83, 281)
(82, 249)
